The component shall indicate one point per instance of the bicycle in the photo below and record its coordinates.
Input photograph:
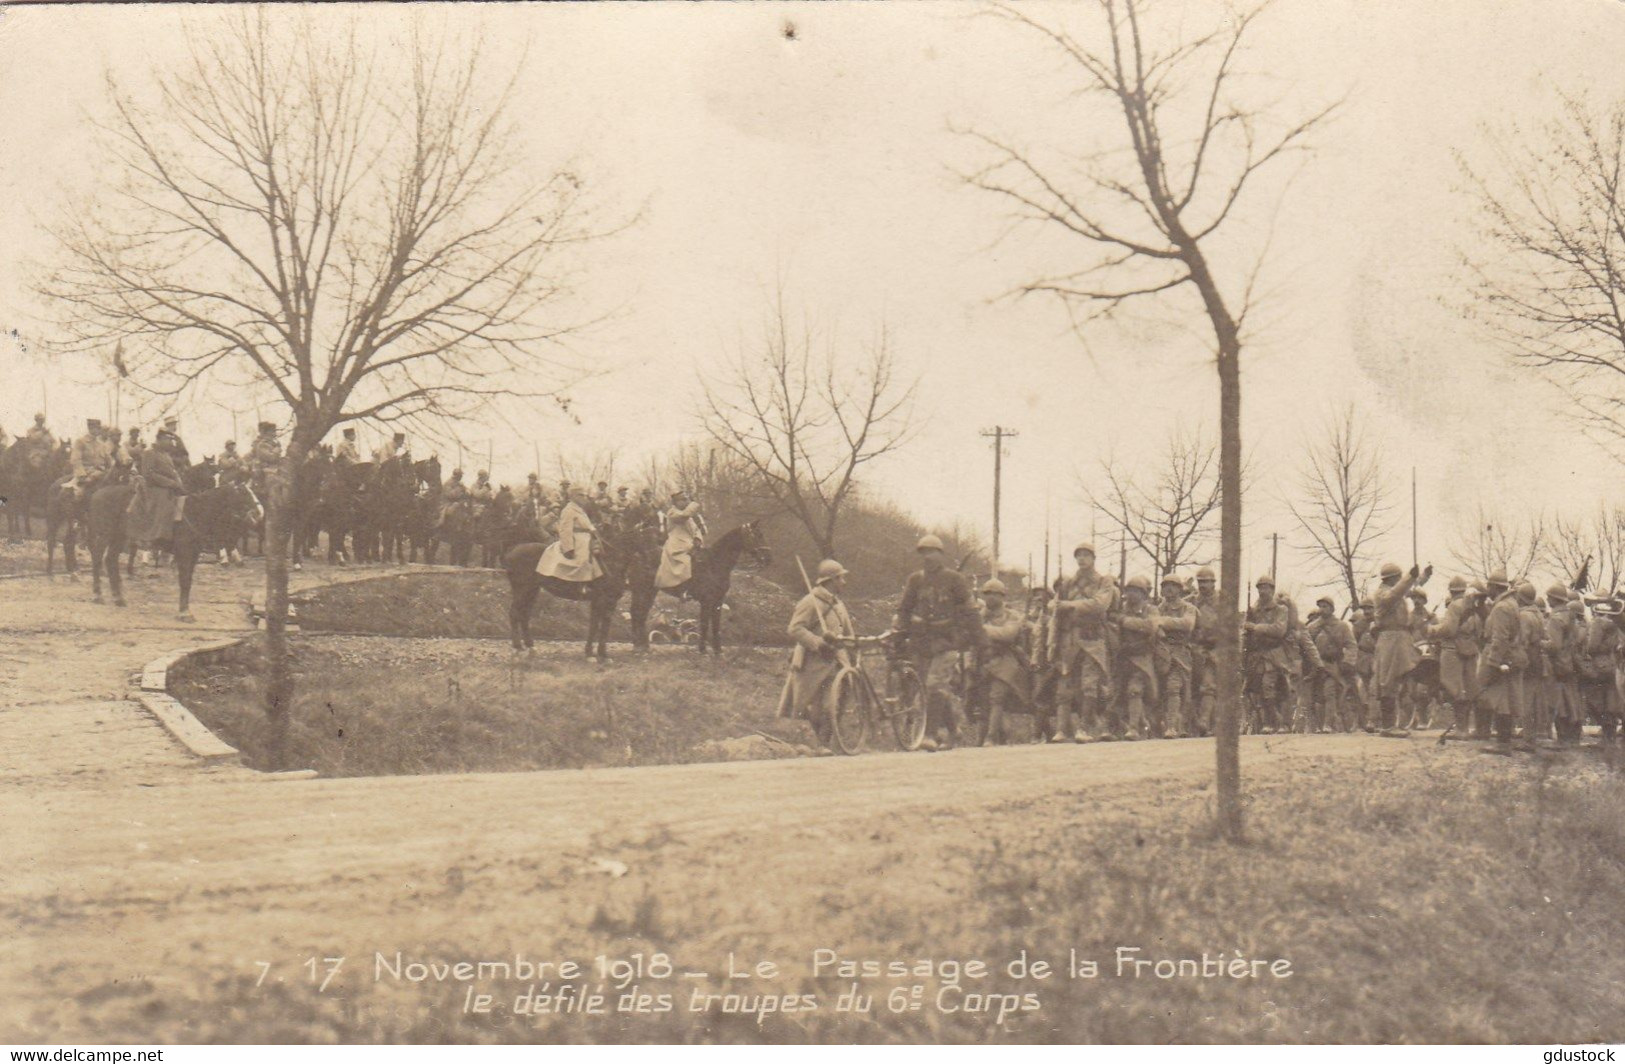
(853, 705)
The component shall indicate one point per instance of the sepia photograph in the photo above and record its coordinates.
(980, 522)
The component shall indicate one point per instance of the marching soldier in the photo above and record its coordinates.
(1136, 661)
(1532, 621)
(1264, 634)
(1176, 625)
(1329, 686)
(1395, 647)
(1365, 637)
(939, 619)
(1006, 672)
(1457, 634)
(1563, 639)
(1078, 646)
(1303, 665)
(1602, 644)
(1205, 671)
(818, 626)
(1502, 659)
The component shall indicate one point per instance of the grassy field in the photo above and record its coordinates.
(474, 605)
(371, 707)
(1460, 899)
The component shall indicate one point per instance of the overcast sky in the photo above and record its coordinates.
(828, 162)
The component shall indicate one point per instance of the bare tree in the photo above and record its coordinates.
(1170, 522)
(340, 228)
(1593, 545)
(805, 423)
(1550, 284)
(1343, 506)
(1144, 212)
(1493, 542)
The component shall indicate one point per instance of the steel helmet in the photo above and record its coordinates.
(1081, 547)
(1390, 569)
(1557, 593)
(993, 587)
(1498, 579)
(1325, 600)
(1205, 573)
(829, 569)
(1265, 581)
(1139, 583)
(1458, 583)
(1170, 578)
(928, 543)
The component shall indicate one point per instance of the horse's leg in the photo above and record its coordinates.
(97, 549)
(531, 591)
(185, 564)
(514, 599)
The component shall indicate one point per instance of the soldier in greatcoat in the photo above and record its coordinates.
(1264, 634)
(940, 620)
(153, 507)
(1006, 671)
(1564, 641)
(1396, 653)
(1331, 688)
(1457, 634)
(1502, 659)
(1602, 644)
(1537, 724)
(818, 627)
(1176, 628)
(1078, 646)
(685, 533)
(571, 556)
(1204, 651)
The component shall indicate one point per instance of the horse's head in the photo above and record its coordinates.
(756, 544)
(242, 505)
(428, 471)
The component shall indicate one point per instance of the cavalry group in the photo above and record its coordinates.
(379, 507)
(1091, 660)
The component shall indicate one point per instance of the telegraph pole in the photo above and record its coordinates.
(998, 434)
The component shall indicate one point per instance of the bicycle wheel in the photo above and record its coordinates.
(659, 638)
(908, 715)
(848, 713)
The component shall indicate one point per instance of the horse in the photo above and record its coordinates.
(498, 529)
(64, 513)
(307, 503)
(421, 521)
(617, 554)
(629, 560)
(708, 584)
(457, 529)
(106, 512)
(212, 520)
(27, 472)
(393, 486)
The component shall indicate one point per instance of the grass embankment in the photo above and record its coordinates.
(474, 605)
(376, 707)
(1455, 899)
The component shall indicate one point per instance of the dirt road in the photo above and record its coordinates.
(134, 876)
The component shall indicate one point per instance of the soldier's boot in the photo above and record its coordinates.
(993, 735)
(1173, 716)
(1063, 721)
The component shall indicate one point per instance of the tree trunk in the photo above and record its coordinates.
(1227, 726)
(278, 536)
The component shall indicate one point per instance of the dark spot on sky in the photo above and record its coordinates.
(790, 31)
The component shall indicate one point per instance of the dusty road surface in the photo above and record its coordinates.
(140, 888)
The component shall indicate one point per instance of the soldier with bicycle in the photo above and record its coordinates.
(818, 626)
(940, 620)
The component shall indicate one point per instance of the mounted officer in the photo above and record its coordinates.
(231, 464)
(939, 619)
(346, 451)
(571, 556)
(1078, 643)
(685, 533)
(39, 437)
(90, 457)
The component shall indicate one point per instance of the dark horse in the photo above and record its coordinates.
(213, 519)
(629, 560)
(105, 515)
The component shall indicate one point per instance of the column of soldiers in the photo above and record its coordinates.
(1092, 661)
